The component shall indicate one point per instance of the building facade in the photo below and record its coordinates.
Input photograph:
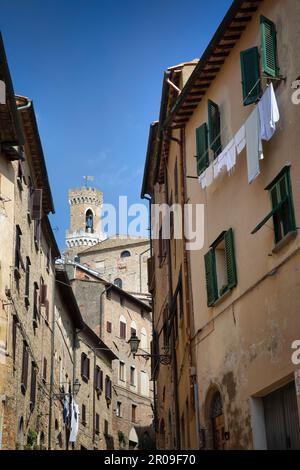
(114, 314)
(243, 276)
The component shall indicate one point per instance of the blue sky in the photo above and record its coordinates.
(94, 70)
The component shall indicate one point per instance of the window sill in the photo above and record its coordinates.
(289, 237)
(223, 296)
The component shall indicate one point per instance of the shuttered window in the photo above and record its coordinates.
(97, 423)
(83, 415)
(36, 204)
(85, 367)
(35, 312)
(250, 76)
(282, 212)
(33, 385)
(214, 125)
(108, 327)
(27, 280)
(24, 375)
(107, 388)
(45, 370)
(14, 337)
(220, 267)
(269, 47)
(98, 379)
(122, 330)
(202, 148)
(18, 257)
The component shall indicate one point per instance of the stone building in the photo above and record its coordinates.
(114, 314)
(243, 279)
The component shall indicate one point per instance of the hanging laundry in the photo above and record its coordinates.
(269, 113)
(230, 155)
(74, 421)
(206, 178)
(240, 140)
(66, 410)
(254, 144)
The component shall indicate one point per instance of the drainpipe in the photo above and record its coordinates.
(140, 266)
(106, 289)
(94, 398)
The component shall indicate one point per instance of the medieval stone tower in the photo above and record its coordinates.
(85, 219)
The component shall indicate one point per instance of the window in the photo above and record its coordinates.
(14, 337)
(119, 409)
(132, 376)
(106, 427)
(125, 254)
(20, 174)
(43, 292)
(83, 415)
(97, 424)
(98, 379)
(18, 257)
(220, 267)
(122, 328)
(45, 370)
(282, 212)
(133, 413)
(250, 75)
(144, 340)
(24, 367)
(85, 367)
(269, 47)
(89, 221)
(36, 311)
(214, 124)
(108, 327)
(202, 149)
(161, 247)
(122, 371)
(27, 280)
(144, 384)
(36, 213)
(133, 329)
(108, 388)
(33, 386)
(48, 260)
(118, 282)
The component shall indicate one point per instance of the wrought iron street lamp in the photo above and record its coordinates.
(134, 347)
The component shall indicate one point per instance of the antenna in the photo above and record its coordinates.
(88, 178)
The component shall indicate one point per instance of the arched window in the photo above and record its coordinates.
(125, 254)
(122, 327)
(89, 221)
(118, 282)
(133, 328)
(144, 341)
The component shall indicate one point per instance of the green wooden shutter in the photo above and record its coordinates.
(211, 277)
(214, 125)
(268, 47)
(202, 148)
(230, 259)
(250, 76)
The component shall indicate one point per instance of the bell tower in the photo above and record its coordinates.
(85, 219)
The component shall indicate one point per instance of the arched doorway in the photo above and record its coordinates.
(133, 439)
(217, 422)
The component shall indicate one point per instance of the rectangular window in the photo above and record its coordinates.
(132, 376)
(133, 413)
(122, 330)
(98, 379)
(43, 292)
(85, 367)
(36, 311)
(27, 280)
(45, 370)
(280, 191)
(220, 267)
(97, 424)
(106, 427)
(24, 375)
(122, 371)
(18, 257)
(108, 388)
(202, 148)
(33, 386)
(119, 409)
(14, 337)
(214, 125)
(83, 415)
(269, 47)
(108, 327)
(36, 204)
(251, 82)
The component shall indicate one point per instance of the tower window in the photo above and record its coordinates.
(125, 254)
(89, 221)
